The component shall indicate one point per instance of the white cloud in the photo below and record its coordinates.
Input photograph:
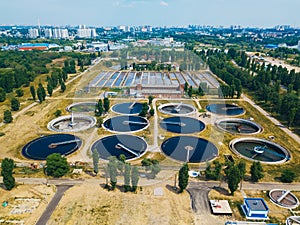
(128, 3)
(163, 3)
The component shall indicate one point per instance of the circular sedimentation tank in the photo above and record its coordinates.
(72, 123)
(115, 145)
(256, 149)
(293, 220)
(189, 149)
(82, 107)
(238, 126)
(284, 198)
(182, 125)
(126, 124)
(177, 109)
(40, 148)
(128, 108)
(225, 109)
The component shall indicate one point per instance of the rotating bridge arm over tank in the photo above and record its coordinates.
(132, 105)
(53, 145)
(174, 123)
(178, 107)
(127, 122)
(127, 149)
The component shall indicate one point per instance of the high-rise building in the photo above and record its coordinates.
(33, 33)
(84, 32)
(48, 33)
(59, 33)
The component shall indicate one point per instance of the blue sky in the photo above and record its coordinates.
(258, 13)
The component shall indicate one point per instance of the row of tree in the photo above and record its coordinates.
(235, 173)
(264, 82)
(102, 106)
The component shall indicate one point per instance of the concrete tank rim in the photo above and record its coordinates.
(128, 160)
(260, 128)
(189, 117)
(194, 110)
(189, 135)
(226, 115)
(68, 108)
(91, 119)
(126, 114)
(125, 132)
(234, 141)
(295, 197)
(55, 134)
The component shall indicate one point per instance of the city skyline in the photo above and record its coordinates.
(151, 12)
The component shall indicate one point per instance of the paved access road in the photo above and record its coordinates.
(52, 205)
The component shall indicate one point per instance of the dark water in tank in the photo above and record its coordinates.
(202, 150)
(238, 127)
(39, 148)
(122, 123)
(107, 146)
(183, 125)
(182, 110)
(271, 154)
(225, 109)
(128, 108)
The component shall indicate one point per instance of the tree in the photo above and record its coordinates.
(49, 88)
(95, 156)
(99, 108)
(144, 110)
(41, 93)
(122, 158)
(233, 177)
(150, 99)
(32, 91)
(155, 169)
(200, 90)
(186, 86)
(14, 104)
(106, 104)
(7, 118)
(99, 121)
(112, 170)
(2, 95)
(288, 176)
(57, 113)
(7, 167)
(56, 165)
(134, 178)
(190, 91)
(183, 178)
(242, 169)
(151, 112)
(62, 86)
(127, 177)
(215, 173)
(256, 171)
(19, 92)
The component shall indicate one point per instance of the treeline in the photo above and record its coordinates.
(264, 82)
(231, 75)
(20, 68)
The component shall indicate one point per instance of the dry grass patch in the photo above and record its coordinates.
(88, 204)
(32, 198)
